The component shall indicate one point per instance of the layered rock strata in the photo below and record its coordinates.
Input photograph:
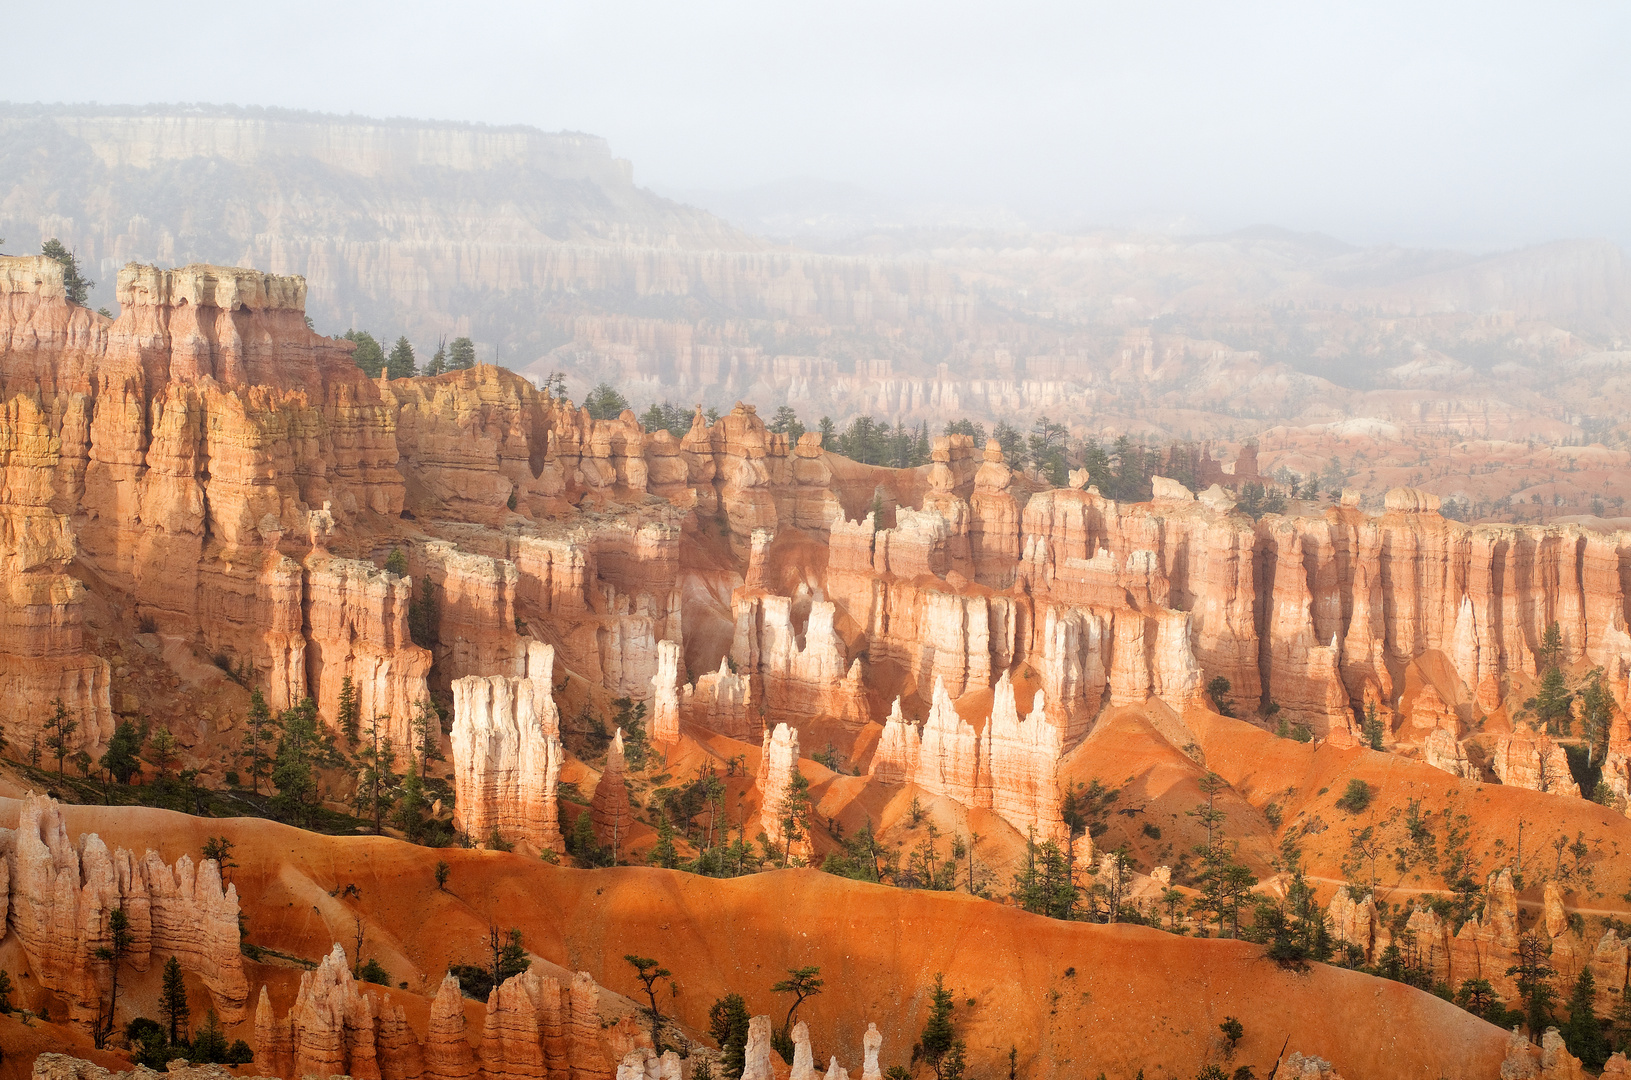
(1009, 764)
(60, 895)
(507, 755)
(536, 1028)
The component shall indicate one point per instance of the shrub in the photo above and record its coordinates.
(1356, 798)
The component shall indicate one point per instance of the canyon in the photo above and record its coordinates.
(1495, 379)
(203, 496)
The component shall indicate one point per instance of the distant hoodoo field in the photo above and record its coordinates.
(440, 728)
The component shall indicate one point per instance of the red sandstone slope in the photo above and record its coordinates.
(1137, 998)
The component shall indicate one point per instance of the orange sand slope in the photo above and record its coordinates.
(1073, 998)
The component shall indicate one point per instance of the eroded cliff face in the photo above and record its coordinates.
(59, 894)
(507, 755)
(208, 470)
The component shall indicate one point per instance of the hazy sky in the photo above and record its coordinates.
(1473, 124)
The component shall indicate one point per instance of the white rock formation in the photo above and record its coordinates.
(507, 755)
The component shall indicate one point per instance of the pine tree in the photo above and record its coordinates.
(438, 361)
(210, 1042)
(368, 355)
(938, 1034)
(728, 1024)
(376, 786)
(422, 618)
(300, 749)
(400, 364)
(61, 731)
(1534, 976)
(509, 954)
(347, 714)
(1551, 702)
(120, 758)
(604, 402)
(258, 734)
(162, 748)
(1583, 1034)
(461, 355)
(410, 805)
(120, 941)
(662, 852)
(648, 972)
(427, 731)
(173, 1001)
(796, 817)
(76, 287)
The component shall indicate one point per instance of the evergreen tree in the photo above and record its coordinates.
(1012, 442)
(438, 361)
(121, 939)
(427, 731)
(377, 782)
(301, 748)
(508, 953)
(5, 993)
(1551, 702)
(1044, 885)
(1046, 445)
(1596, 714)
(368, 354)
(865, 440)
(1372, 726)
(219, 849)
(422, 614)
(162, 749)
(582, 844)
(209, 1042)
(663, 852)
(461, 355)
(938, 1036)
(965, 426)
(1583, 1034)
(786, 422)
(396, 563)
(75, 285)
(1534, 975)
(400, 364)
(604, 402)
(120, 758)
(804, 982)
(410, 805)
(258, 734)
(1550, 652)
(1620, 1022)
(61, 730)
(795, 819)
(728, 1024)
(648, 972)
(347, 714)
(173, 1000)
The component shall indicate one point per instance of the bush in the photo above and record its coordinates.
(371, 971)
(1356, 798)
